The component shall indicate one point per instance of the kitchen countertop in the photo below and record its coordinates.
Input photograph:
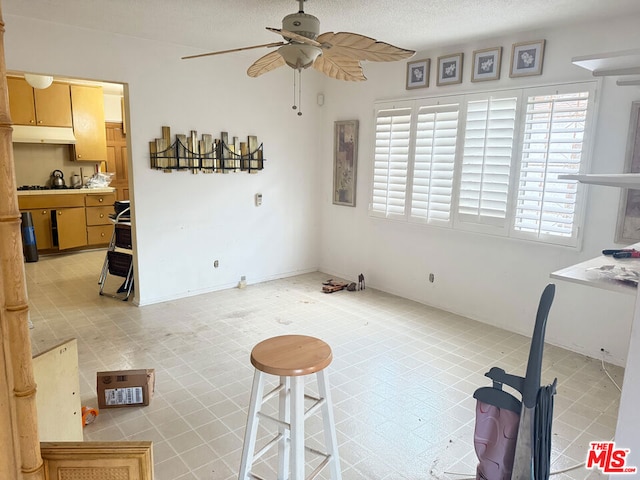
(66, 191)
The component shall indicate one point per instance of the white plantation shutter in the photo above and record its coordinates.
(486, 161)
(552, 145)
(434, 162)
(391, 162)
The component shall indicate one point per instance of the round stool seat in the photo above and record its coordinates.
(291, 355)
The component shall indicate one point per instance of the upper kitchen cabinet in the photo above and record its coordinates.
(88, 123)
(48, 107)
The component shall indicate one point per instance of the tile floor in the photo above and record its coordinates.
(402, 378)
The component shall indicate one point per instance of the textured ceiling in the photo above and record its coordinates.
(413, 24)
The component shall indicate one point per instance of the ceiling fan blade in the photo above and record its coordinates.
(340, 68)
(273, 44)
(265, 64)
(359, 47)
(294, 36)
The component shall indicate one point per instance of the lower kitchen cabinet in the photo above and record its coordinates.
(71, 227)
(42, 227)
(70, 220)
(98, 208)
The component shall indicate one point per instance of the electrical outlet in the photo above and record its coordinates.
(605, 351)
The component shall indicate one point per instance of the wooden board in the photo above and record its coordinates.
(98, 460)
(58, 396)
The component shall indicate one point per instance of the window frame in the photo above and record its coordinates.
(458, 221)
(461, 222)
(592, 87)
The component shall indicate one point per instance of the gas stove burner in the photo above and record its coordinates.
(42, 187)
(34, 187)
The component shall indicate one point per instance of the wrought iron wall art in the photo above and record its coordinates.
(207, 154)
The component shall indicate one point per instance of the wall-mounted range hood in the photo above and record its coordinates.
(52, 135)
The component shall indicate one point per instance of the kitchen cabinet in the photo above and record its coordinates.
(67, 224)
(71, 227)
(48, 107)
(42, 227)
(99, 226)
(87, 104)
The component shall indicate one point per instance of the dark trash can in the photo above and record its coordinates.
(29, 246)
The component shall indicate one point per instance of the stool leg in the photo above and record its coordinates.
(330, 440)
(285, 416)
(251, 431)
(297, 428)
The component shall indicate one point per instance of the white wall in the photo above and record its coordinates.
(184, 222)
(494, 280)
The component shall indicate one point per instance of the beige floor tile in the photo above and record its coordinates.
(402, 378)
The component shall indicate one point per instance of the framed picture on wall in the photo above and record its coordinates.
(345, 162)
(526, 58)
(418, 74)
(450, 69)
(486, 64)
(628, 227)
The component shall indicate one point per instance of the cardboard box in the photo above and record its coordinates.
(125, 388)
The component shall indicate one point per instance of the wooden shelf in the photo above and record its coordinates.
(625, 62)
(624, 180)
(629, 82)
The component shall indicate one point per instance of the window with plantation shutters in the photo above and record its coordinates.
(487, 162)
(553, 144)
(433, 163)
(391, 162)
(487, 159)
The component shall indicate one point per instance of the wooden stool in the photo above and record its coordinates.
(291, 357)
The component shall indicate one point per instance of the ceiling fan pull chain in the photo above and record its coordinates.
(300, 91)
(294, 91)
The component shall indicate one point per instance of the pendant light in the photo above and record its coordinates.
(38, 81)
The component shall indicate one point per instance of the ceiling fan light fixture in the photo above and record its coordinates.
(38, 81)
(302, 24)
(298, 55)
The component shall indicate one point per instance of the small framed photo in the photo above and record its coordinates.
(418, 74)
(486, 64)
(526, 58)
(450, 69)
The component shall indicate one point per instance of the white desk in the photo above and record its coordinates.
(580, 273)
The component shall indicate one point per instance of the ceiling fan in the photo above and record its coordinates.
(337, 55)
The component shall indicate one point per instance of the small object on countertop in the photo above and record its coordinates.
(627, 254)
(617, 250)
(352, 287)
(88, 415)
(361, 282)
